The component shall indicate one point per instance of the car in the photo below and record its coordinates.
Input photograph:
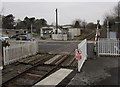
(4, 37)
(14, 36)
(21, 37)
(25, 37)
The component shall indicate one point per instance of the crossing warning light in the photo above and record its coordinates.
(78, 54)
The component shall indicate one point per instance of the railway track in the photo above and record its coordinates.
(38, 70)
(39, 67)
(91, 36)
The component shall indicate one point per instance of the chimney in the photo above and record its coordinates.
(56, 22)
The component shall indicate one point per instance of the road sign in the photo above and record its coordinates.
(78, 54)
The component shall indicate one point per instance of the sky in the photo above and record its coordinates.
(67, 11)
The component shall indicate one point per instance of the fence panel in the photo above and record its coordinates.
(83, 48)
(108, 47)
(16, 52)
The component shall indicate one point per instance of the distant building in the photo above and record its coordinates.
(46, 32)
(47, 29)
(72, 32)
(63, 33)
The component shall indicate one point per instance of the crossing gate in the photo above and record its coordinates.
(81, 54)
(108, 47)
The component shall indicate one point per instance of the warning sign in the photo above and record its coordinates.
(78, 54)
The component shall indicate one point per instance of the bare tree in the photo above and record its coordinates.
(113, 17)
(76, 23)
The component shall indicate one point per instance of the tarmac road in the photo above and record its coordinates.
(99, 71)
(58, 47)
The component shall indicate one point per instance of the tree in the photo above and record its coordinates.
(77, 24)
(36, 23)
(113, 17)
(44, 22)
(8, 22)
(27, 22)
(32, 20)
(83, 24)
(91, 25)
(112, 21)
(20, 25)
(40, 23)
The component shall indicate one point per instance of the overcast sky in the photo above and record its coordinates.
(67, 11)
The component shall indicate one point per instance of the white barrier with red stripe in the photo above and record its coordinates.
(81, 54)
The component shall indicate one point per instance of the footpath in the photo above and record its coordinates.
(99, 71)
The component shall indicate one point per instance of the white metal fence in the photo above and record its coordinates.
(108, 47)
(83, 47)
(18, 51)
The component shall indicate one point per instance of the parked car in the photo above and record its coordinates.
(21, 37)
(14, 36)
(4, 37)
(25, 37)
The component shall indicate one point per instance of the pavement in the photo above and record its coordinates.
(55, 78)
(99, 71)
